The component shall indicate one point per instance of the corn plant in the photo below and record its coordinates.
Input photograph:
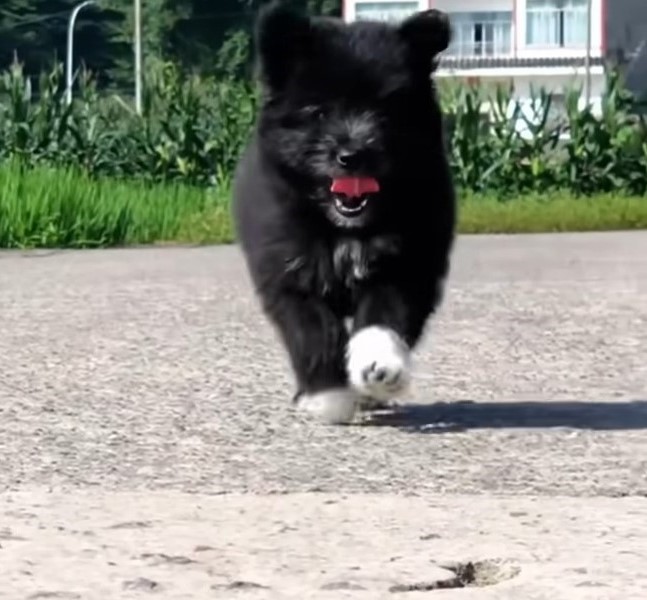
(193, 130)
(498, 144)
(606, 153)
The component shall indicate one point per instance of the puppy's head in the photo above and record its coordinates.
(343, 103)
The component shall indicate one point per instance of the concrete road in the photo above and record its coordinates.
(148, 444)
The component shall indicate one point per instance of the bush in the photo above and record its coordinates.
(499, 145)
(193, 129)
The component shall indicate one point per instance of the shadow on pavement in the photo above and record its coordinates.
(460, 416)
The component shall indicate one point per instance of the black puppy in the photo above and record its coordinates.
(343, 200)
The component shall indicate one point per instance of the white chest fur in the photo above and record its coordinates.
(351, 260)
(355, 260)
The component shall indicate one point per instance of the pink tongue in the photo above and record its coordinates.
(355, 186)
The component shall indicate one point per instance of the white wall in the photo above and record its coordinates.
(558, 81)
(554, 79)
(472, 5)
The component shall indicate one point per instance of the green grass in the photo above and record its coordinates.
(48, 207)
(552, 212)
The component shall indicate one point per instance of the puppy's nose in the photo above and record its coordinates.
(352, 159)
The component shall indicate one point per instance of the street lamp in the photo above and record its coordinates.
(70, 47)
(587, 61)
(137, 44)
(138, 56)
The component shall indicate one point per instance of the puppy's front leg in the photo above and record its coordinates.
(316, 340)
(387, 324)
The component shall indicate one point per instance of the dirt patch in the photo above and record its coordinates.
(470, 574)
(142, 584)
(239, 585)
(160, 558)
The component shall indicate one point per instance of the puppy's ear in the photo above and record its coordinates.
(282, 40)
(428, 33)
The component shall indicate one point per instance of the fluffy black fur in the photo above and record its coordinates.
(365, 89)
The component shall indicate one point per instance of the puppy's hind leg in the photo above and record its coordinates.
(316, 339)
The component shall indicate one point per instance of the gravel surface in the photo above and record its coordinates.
(135, 374)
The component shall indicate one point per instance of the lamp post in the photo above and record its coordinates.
(587, 63)
(70, 48)
(138, 56)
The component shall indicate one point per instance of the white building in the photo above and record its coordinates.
(524, 42)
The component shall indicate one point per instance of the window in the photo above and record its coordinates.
(481, 33)
(385, 11)
(556, 23)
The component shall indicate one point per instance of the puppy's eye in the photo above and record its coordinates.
(316, 113)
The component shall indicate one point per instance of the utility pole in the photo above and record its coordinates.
(70, 48)
(587, 63)
(138, 56)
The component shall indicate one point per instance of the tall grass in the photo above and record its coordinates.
(50, 207)
(45, 207)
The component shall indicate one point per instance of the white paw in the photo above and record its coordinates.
(368, 404)
(377, 362)
(333, 407)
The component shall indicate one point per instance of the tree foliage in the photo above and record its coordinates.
(205, 36)
(35, 33)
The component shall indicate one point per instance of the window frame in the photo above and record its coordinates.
(560, 8)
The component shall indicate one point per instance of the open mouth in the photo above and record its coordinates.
(350, 206)
(352, 194)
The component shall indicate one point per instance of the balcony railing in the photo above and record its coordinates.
(476, 49)
(476, 37)
(393, 11)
